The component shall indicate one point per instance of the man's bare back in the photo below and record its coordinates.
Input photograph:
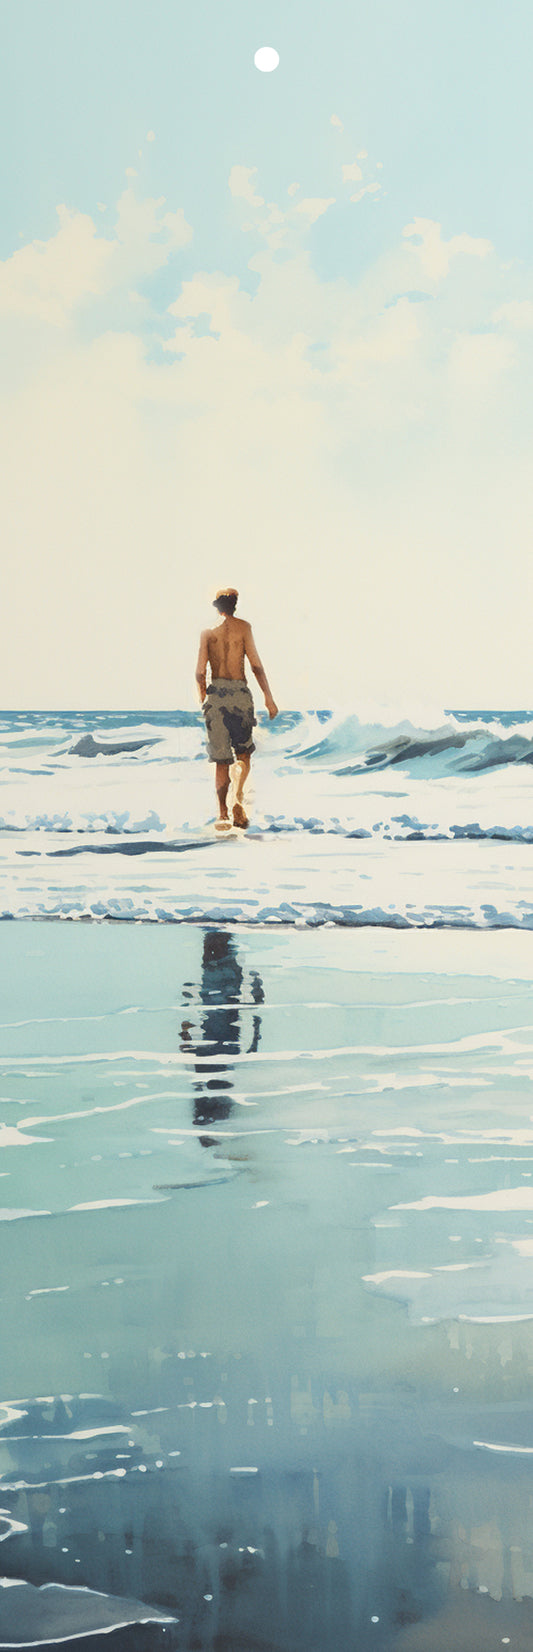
(228, 645)
(225, 648)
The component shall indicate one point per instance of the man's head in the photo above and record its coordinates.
(226, 600)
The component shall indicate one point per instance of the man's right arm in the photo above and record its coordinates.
(259, 671)
(201, 667)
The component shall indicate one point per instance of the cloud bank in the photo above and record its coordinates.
(352, 454)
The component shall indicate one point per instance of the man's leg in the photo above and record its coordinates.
(239, 775)
(222, 785)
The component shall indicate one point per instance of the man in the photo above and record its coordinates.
(227, 703)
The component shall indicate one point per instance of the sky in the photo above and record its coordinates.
(272, 330)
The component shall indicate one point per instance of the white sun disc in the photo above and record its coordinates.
(266, 59)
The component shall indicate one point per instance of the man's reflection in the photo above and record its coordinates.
(226, 990)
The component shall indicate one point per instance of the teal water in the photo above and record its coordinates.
(267, 1288)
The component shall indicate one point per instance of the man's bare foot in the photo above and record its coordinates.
(240, 818)
(223, 824)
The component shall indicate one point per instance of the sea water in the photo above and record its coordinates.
(267, 1279)
(107, 814)
(266, 1198)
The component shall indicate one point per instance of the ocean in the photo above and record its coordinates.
(266, 1132)
(106, 814)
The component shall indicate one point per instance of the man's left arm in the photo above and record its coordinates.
(201, 667)
(259, 671)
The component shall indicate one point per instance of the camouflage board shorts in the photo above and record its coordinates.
(228, 710)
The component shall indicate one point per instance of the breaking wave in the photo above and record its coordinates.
(93, 803)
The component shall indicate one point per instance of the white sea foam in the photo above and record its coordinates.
(17, 1215)
(499, 1040)
(508, 1450)
(48, 1290)
(10, 1136)
(341, 797)
(81, 1611)
(505, 1198)
(111, 1204)
(394, 1273)
(14, 1527)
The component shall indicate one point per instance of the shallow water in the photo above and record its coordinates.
(353, 822)
(267, 1280)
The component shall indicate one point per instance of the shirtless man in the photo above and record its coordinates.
(227, 703)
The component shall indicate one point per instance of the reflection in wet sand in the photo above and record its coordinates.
(226, 991)
(226, 1407)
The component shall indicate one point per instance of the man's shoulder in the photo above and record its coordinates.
(244, 625)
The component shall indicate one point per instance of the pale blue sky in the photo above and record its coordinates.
(265, 348)
(440, 89)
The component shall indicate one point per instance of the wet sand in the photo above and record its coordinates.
(267, 1281)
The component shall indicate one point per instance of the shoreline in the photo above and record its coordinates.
(312, 882)
(396, 923)
(453, 948)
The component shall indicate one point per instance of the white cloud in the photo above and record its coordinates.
(390, 337)
(150, 137)
(313, 207)
(368, 189)
(321, 422)
(435, 253)
(276, 228)
(362, 154)
(241, 184)
(517, 314)
(477, 359)
(48, 280)
(335, 121)
(352, 173)
(214, 295)
(147, 234)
